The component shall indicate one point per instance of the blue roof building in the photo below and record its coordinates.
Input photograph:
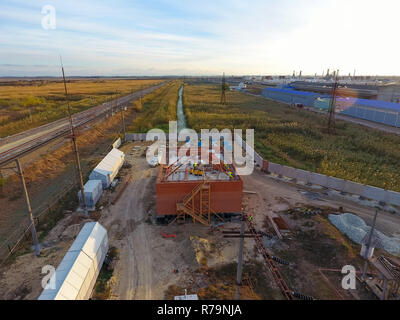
(290, 96)
(372, 110)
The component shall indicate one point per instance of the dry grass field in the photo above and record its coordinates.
(157, 108)
(28, 104)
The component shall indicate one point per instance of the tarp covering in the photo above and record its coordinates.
(356, 229)
(77, 273)
(108, 168)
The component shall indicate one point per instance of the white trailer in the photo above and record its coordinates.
(77, 273)
(93, 191)
(108, 168)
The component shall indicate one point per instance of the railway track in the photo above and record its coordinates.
(60, 128)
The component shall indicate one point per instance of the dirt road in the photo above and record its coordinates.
(126, 219)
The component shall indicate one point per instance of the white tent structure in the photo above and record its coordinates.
(108, 168)
(93, 191)
(76, 275)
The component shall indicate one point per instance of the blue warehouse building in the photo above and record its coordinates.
(372, 110)
(291, 96)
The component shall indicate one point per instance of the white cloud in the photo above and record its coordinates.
(258, 37)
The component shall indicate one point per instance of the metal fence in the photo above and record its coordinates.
(15, 240)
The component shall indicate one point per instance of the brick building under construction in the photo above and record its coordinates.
(188, 187)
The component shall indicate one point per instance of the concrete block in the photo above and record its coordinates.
(289, 172)
(318, 179)
(393, 197)
(275, 168)
(374, 193)
(335, 183)
(303, 175)
(353, 188)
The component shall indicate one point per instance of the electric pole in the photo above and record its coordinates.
(332, 105)
(123, 121)
(73, 138)
(240, 261)
(364, 275)
(223, 87)
(28, 206)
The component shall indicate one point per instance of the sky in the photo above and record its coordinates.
(185, 37)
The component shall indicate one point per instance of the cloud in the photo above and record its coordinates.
(170, 37)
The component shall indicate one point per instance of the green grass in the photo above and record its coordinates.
(157, 109)
(298, 138)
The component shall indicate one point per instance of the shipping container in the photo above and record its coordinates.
(93, 191)
(77, 273)
(108, 168)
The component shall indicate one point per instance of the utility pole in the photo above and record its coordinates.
(116, 101)
(123, 121)
(332, 105)
(28, 206)
(223, 97)
(364, 275)
(240, 260)
(73, 138)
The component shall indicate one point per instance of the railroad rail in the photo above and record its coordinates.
(287, 293)
(61, 127)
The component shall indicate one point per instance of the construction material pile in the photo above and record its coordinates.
(356, 229)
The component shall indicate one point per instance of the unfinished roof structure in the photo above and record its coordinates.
(190, 187)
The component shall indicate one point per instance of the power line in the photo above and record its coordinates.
(73, 138)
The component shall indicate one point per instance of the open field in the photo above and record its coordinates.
(297, 137)
(28, 104)
(157, 109)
